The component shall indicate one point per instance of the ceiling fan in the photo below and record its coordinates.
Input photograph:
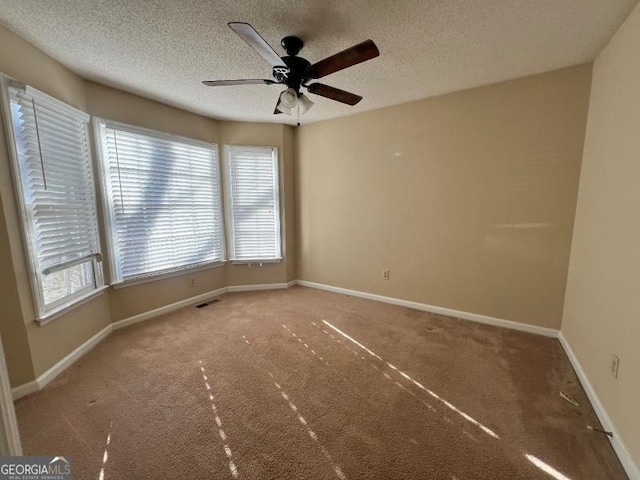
(296, 72)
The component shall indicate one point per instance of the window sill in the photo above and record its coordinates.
(256, 262)
(67, 307)
(163, 276)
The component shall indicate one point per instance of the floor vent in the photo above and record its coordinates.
(202, 305)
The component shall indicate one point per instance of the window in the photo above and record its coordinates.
(162, 203)
(55, 186)
(253, 203)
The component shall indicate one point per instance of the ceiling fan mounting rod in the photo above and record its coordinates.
(292, 45)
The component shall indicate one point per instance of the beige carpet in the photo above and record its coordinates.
(264, 385)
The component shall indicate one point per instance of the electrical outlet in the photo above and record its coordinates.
(192, 281)
(386, 275)
(614, 365)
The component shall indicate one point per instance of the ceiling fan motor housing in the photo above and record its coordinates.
(298, 68)
(298, 71)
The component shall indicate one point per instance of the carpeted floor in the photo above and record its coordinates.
(267, 385)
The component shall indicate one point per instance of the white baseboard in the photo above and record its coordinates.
(24, 389)
(616, 442)
(197, 299)
(63, 364)
(9, 431)
(40, 382)
(474, 317)
(253, 288)
(156, 312)
(623, 454)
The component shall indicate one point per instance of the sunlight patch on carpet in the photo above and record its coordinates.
(227, 450)
(105, 455)
(313, 352)
(449, 405)
(353, 340)
(339, 473)
(546, 467)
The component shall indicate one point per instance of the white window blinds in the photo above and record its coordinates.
(57, 196)
(163, 199)
(254, 213)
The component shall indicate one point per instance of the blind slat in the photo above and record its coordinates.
(165, 198)
(54, 161)
(58, 198)
(254, 208)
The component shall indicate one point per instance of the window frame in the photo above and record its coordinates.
(116, 279)
(47, 312)
(228, 197)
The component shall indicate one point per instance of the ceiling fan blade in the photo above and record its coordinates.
(334, 93)
(255, 41)
(351, 56)
(222, 83)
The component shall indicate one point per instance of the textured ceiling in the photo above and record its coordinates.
(163, 49)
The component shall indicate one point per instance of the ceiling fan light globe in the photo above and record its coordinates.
(305, 103)
(289, 99)
(283, 108)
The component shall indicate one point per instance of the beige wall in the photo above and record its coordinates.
(51, 342)
(12, 331)
(114, 104)
(468, 198)
(135, 299)
(600, 313)
(288, 179)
